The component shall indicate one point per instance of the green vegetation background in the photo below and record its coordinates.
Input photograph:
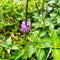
(43, 40)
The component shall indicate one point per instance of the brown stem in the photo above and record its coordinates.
(26, 12)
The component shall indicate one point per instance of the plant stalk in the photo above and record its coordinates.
(43, 14)
(26, 16)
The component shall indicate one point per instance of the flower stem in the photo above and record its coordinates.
(43, 14)
(26, 16)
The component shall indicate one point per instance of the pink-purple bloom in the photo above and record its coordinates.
(26, 26)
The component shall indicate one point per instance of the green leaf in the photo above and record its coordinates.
(46, 41)
(43, 34)
(56, 54)
(9, 41)
(1, 37)
(21, 53)
(33, 37)
(54, 38)
(53, 14)
(41, 55)
(3, 45)
(14, 47)
(58, 20)
(31, 50)
(51, 2)
(58, 3)
(47, 22)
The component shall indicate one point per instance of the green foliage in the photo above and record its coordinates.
(44, 33)
(56, 54)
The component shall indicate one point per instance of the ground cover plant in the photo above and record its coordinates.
(30, 32)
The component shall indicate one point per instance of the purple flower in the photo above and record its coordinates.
(25, 27)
